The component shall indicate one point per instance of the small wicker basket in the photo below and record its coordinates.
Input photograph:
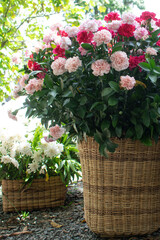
(121, 193)
(40, 194)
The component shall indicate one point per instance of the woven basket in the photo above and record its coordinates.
(40, 194)
(121, 193)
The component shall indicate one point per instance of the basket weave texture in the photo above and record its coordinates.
(121, 193)
(40, 194)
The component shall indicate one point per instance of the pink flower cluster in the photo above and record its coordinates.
(127, 82)
(100, 67)
(151, 51)
(141, 33)
(103, 36)
(22, 81)
(119, 61)
(61, 65)
(58, 66)
(33, 85)
(72, 64)
(56, 132)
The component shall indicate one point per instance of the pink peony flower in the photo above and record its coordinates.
(114, 25)
(72, 31)
(58, 66)
(100, 67)
(16, 90)
(27, 53)
(128, 18)
(47, 139)
(56, 132)
(48, 38)
(140, 33)
(56, 26)
(119, 61)
(89, 26)
(16, 58)
(23, 79)
(103, 36)
(127, 82)
(65, 42)
(72, 64)
(10, 115)
(39, 45)
(151, 51)
(82, 51)
(34, 85)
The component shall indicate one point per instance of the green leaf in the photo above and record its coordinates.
(87, 46)
(103, 150)
(105, 124)
(95, 105)
(114, 121)
(67, 93)
(151, 62)
(155, 33)
(48, 81)
(145, 66)
(156, 70)
(129, 133)
(146, 118)
(106, 133)
(118, 131)
(98, 137)
(114, 86)
(83, 100)
(81, 111)
(106, 91)
(53, 93)
(112, 101)
(139, 130)
(153, 78)
(111, 146)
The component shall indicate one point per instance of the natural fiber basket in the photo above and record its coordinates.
(40, 194)
(121, 193)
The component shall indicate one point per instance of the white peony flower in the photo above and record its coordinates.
(7, 159)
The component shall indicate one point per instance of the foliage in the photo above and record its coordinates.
(22, 21)
(98, 9)
(29, 157)
(116, 97)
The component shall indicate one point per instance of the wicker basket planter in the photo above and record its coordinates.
(40, 194)
(121, 193)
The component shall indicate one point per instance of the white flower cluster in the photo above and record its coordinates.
(14, 147)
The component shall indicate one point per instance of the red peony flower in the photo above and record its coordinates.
(147, 15)
(36, 66)
(101, 28)
(158, 23)
(112, 16)
(126, 30)
(84, 37)
(135, 60)
(158, 43)
(62, 33)
(59, 51)
(30, 64)
(138, 19)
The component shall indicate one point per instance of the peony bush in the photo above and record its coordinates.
(100, 79)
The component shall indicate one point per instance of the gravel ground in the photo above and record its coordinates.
(41, 225)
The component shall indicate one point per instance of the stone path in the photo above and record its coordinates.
(66, 222)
